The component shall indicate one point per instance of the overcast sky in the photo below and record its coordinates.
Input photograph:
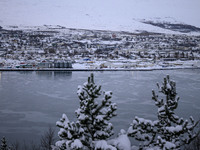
(86, 13)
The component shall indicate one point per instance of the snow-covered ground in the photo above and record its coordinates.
(117, 65)
(136, 65)
(114, 15)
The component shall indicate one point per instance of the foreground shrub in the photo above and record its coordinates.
(169, 131)
(92, 130)
(92, 127)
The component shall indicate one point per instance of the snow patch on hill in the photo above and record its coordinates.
(112, 15)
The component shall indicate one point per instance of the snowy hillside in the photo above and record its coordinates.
(117, 15)
(177, 26)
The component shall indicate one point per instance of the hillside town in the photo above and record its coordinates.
(59, 47)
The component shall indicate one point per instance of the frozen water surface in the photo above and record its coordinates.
(31, 101)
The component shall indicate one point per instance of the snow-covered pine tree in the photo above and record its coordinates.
(4, 145)
(169, 131)
(92, 126)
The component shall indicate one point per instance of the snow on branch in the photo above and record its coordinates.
(92, 130)
(169, 131)
(92, 127)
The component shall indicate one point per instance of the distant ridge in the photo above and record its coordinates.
(112, 15)
(184, 28)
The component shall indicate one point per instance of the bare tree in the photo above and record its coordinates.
(25, 146)
(15, 145)
(34, 146)
(195, 144)
(48, 139)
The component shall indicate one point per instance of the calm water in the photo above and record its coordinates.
(31, 101)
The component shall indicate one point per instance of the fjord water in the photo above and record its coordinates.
(30, 102)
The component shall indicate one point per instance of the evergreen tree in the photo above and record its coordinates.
(4, 145)
(169, 131)
(93, 117)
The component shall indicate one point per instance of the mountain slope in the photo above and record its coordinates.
(180, 27)
(114, 15)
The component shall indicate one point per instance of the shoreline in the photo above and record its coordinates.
(71, 69)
